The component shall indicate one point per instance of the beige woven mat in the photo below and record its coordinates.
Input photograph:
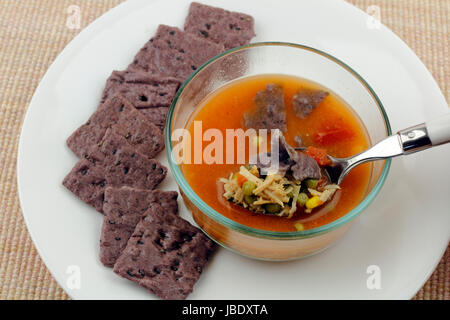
(33, 33)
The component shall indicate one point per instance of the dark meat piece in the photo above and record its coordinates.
(165, 254)
(300, 165)
(305, 101)
(298, 141)
(269, 112)
(305, 167)
(232, 29)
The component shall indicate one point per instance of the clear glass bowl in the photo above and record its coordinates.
(288, 59)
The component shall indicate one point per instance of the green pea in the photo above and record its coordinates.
(311, 183)
(248, 187)
(272, 208)
(249, 199)
(302, 198)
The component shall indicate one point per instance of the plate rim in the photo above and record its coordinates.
(127, 6)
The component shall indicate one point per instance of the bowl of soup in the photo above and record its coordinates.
(233, 109)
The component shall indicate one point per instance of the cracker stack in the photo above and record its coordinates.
(143, 238)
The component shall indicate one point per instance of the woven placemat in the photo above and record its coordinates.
(33, 33)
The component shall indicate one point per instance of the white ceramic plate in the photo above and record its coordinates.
(404, 232)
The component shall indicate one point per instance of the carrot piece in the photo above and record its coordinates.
(240, 179)
(318, 154)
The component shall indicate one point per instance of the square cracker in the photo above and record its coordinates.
(232, 29)
(119, 113)
(174, 53)
(123, 208)
(157, 116)
(112, 163)
(141, 89)
(165, 254)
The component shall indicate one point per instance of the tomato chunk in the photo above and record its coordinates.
(331, 136)
(318, 154)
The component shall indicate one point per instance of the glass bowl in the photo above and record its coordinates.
(287, 59)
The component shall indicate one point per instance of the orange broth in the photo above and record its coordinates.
(332, 125)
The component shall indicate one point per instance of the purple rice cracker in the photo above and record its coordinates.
(123, 208)
(174, 53)
(120, 114)
(165, 254)
(157, 116)
(112, 163)
(232, 29)
(141, 89)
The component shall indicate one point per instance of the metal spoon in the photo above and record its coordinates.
(417, 138)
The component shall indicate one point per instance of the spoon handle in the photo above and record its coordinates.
(407, 141)
(439, 129)
(425, 135)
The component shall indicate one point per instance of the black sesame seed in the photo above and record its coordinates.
(161, 171)
(117, 238)
(102, 184)
(193, 67)
(204, 33)
(156, 270)
(143, 98)
(125, 170)
(111, 222)
(133, 155)
(140, 242)
(142, 272)
(208, 26)
(121, 108)
(114, 151)
(171, 33)
(118, 163)
(83, 172)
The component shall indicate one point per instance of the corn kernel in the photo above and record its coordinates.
(313, 202)
(299, 226)
(254, 171)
